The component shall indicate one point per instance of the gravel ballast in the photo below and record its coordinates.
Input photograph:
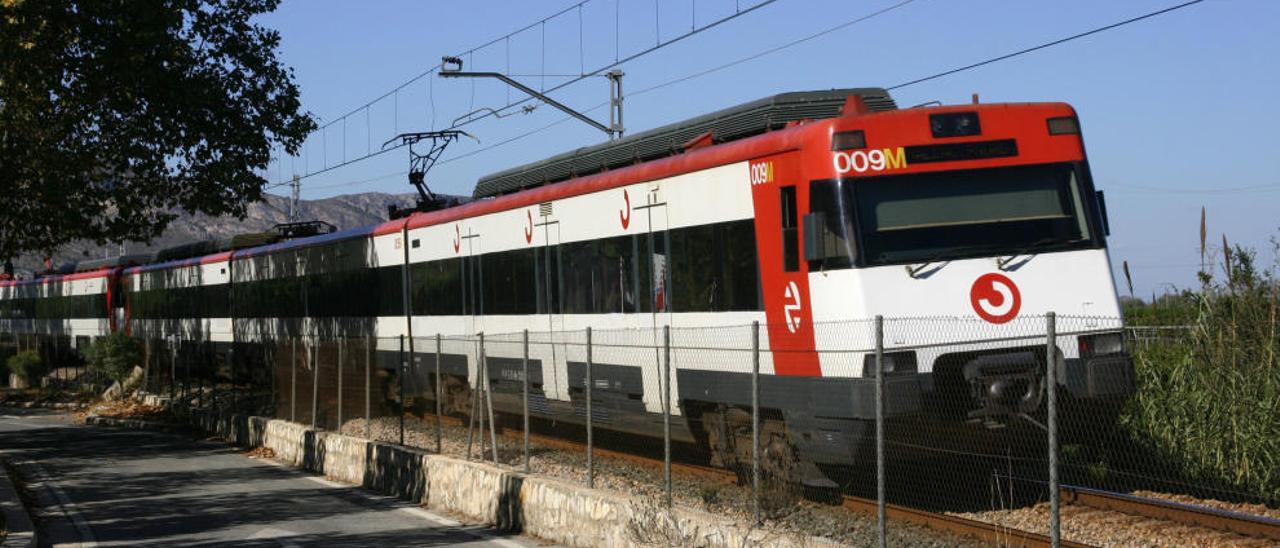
(785, 512)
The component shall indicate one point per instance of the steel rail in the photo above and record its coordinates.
(981, 530)
(987, 532)
(1187, 514)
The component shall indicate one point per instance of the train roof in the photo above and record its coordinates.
(729, 124)
(309, 241)
(54, 278)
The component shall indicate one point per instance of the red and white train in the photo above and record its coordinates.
(809, 213)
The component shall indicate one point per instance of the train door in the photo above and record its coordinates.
(779, 206)
(655, 259)
(116, 303)
(466, 244)
(550, 300)
(652, 283)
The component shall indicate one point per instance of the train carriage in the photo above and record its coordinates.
(61, 312)
(805, 213)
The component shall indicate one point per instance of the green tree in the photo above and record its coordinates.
(114, 355)
(115, 114)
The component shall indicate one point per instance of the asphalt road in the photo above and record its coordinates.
(110, 487)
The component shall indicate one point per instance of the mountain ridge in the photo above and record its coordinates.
(344, 211)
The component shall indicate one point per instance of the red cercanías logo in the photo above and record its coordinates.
(995, 298)
(624, 215)
(528, 231)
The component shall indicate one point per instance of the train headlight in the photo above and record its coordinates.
(1066, 125)
(894, 363)
(848, 140)
(954, 124)
(1106, 344)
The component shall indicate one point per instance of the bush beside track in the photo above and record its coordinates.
(1205, 414)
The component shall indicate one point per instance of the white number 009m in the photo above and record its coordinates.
(860, 161)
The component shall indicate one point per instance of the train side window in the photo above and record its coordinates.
(790, 233)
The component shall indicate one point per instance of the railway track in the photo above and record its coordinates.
(1185, 514)
(1253, 526)
(983, 531)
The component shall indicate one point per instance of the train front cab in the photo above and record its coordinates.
(983, 218)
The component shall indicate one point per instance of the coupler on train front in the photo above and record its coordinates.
(821, 432)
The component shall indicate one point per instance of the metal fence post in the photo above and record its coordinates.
(293, 379)
(146, 367)
(488, 399)
(186, 384)
(400, 377)
(410, 368)
(211, 361)
(231, 368)
(881, 529)
(755, 418)
(173, 371)
(1051, 385)
(270, 353)
(475, 405)
(341, 348)
(313, 353)
(591, 465)
(525, 395)
(666, 411)
(439, 394)
(369, 349)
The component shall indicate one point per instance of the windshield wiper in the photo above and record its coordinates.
(1003, 262)
(915, 269)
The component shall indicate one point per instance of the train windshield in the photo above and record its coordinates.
(951, 215)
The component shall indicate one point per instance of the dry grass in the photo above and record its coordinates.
(260, 453)
(129, 409)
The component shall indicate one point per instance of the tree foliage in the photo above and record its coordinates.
(116, 114)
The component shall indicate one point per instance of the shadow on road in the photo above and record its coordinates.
(143, 488)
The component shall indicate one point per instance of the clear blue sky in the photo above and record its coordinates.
(1178, 111)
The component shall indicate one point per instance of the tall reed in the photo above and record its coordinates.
(1208, 403)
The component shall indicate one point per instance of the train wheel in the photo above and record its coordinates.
(457, 396)
(778, 461)
(719, 440)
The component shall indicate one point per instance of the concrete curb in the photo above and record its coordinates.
(136, 424)
(62, 406)
(21, 532)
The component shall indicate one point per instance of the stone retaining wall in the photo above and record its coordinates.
(344, 458)
(292, 443)
(545, 508)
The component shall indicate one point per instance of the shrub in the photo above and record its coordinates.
(1209, 397)
(114, 356)
(27, 366)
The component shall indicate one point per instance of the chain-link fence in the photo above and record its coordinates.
(990, 422)
(60, 366)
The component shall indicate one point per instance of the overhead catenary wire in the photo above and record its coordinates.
(774, 49)
(436, 68)
(685, 78)
(1020, 52)
(659, 45)
(825, 32)
(1164, 190)
(470, 57)
(788, 45)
